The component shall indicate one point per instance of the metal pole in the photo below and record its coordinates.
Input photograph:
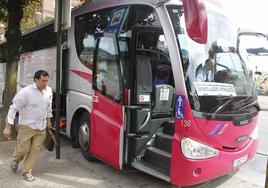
(58, 73)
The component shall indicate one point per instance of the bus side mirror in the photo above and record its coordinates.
(196, 20)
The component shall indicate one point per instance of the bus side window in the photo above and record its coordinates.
(107, 80)
(87, 28)
(86, 55)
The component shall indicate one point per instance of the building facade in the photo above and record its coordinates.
(2, 31)
(45, 12)
(48, 7)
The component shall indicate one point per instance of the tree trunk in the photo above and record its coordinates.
(13, 36)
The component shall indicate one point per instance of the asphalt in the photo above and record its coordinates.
(72, 171)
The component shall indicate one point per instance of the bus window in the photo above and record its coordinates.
(47, 38)
(86, 56)
(29, 42)
(144, 15)
(87, 28)
(107, 74)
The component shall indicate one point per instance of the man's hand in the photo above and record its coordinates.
(48, 123)
(7, 131)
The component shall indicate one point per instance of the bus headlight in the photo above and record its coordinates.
(255, 134)
(195, 150)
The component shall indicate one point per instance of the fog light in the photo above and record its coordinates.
(197, 171)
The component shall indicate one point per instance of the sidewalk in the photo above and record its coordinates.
(263, 102)
(71, 171)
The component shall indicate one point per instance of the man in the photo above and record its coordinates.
(206, 73)
(34, 104)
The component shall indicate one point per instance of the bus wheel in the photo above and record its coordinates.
(84, 136)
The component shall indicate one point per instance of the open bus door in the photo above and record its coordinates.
(150, 117)
(106, 138)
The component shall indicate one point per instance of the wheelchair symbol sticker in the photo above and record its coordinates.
(180, 100)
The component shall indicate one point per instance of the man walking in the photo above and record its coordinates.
(34, 104)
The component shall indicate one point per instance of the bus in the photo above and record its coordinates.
(255, 47)
(156, 85)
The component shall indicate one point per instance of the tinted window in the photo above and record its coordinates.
(47, 37)
(107, 68)
(143, 15)
(87, 28)
(29, 42)
(40, 39)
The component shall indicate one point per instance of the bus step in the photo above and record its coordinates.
(163, 141)
(151, 169)
(169, 127)
(159, 158)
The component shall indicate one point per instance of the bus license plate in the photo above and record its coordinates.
(240, 161)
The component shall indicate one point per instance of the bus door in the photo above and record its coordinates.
(107, 102)
(151, 103)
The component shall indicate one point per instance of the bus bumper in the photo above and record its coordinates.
(186, 172)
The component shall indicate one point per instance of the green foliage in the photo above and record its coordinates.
(84, 1)
(29, 9)
(3, 11)
(28, 20)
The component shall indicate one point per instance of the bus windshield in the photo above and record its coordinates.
(215, 72)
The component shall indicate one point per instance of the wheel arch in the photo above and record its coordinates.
(77, 114)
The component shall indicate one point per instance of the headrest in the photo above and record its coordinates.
(162, 71)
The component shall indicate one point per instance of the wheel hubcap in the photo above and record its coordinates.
(84, 136)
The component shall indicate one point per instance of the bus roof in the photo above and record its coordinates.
(100, 4)
(96, 5)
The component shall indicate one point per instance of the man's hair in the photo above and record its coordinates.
(39, 73)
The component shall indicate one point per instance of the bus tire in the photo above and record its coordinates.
(84, 136)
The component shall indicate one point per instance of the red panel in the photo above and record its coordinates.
(225, 133)
(106, 122)
(196, 20)
(182, 169)
(84, 75)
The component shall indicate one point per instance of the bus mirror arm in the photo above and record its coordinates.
(131, 135)
(134, 107)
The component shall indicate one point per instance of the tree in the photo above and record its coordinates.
(84, 1)
(12, 14)
(28, 20)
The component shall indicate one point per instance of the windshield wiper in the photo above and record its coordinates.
(254, 103)
(220, 107)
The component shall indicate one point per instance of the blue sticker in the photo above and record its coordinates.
(180, 100)
(117, 20)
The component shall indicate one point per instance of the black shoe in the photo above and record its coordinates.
(14, 166)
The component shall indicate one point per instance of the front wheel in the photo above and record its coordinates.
(84, 136)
